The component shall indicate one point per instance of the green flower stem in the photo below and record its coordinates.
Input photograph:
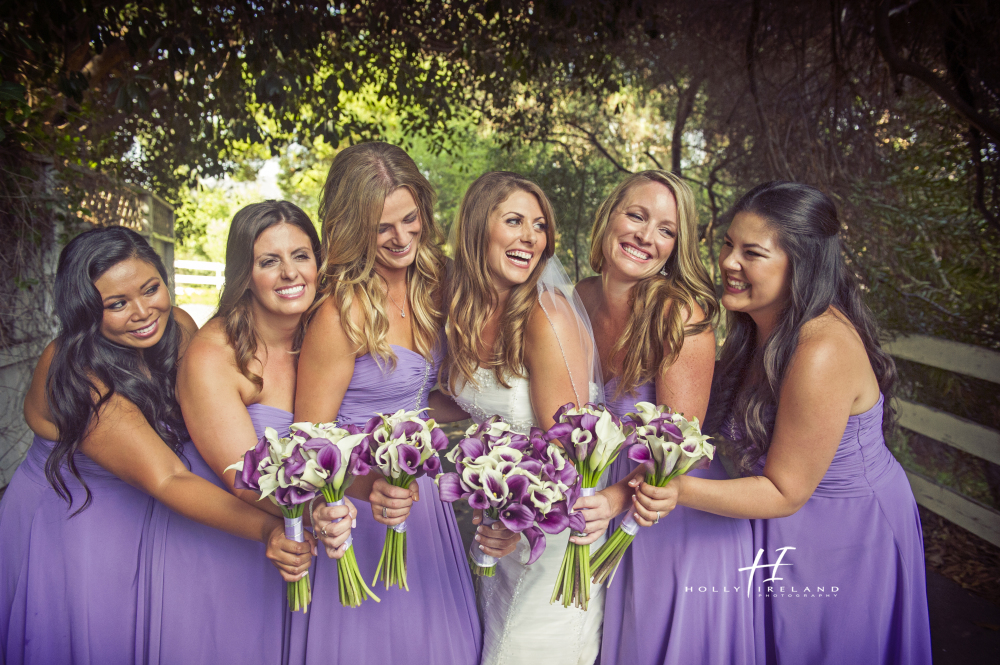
(351, 585)
(392, 562)
(299, 591)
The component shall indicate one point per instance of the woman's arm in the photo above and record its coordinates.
(208, 390)
(326, 366)
(684, 386)
(558, 357)
(122, 442)
(825, 377)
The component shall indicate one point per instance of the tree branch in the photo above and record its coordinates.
(592, 137)
(906, 67)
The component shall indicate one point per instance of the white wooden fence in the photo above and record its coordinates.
(957, 432)
(215, 280)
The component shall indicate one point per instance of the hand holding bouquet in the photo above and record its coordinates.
(403, 446)
(591, 437)
(669, 445)
(276, 468)
(334, 456)
(523, 482)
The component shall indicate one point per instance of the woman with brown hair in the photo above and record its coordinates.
(520, 347)
(652, 305)
(373, 345)
(237, 378)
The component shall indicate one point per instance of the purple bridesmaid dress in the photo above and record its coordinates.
(848, 568)
(678, 596)
(71, 588)
(214, 597)
(436, 620)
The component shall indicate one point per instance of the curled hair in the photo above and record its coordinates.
(236, 301)
(473, 295)
(749, 377)
(657, 303)
(361, 178)
(85, 359)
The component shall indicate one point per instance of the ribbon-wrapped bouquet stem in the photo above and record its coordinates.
(591, 437)
(403, 446)
(277, 468)
(668, 444)
(335, 457)
(522, 481)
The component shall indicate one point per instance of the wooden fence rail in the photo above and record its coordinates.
(215, 280)
(970, 437)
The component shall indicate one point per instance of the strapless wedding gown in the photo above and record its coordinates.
(519, 623)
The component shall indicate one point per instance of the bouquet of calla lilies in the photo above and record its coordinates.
(335, 456)
(591, 437)
(521, 481)
(669, 445)
(403, 446)
(278, 468)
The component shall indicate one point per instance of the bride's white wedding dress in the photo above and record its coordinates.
(519, 623)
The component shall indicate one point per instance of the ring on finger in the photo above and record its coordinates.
(322, 532)
(385, 513)
(657, 520)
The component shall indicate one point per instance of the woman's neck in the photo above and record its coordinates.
(614, 296)
(277, 331)
(395, 278)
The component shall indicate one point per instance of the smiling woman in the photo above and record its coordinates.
(83, 508)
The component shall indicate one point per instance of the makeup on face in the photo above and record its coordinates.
(754, 268)
(517, 237)
(398, 230)
(136, 304)
(642, 232)
(283, 280)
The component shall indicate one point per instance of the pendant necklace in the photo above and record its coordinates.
(402, 313)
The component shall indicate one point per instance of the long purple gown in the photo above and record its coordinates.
(436, 620)
(214, 597)
(678, 596)
(71, 588)
(855, 590)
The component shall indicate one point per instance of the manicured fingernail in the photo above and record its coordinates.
(482, 548)
(477, 538)
(354, 523)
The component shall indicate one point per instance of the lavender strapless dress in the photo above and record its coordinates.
(436, 620)
(853, 588)
(71, 588)
(678, 595)
(214, 597)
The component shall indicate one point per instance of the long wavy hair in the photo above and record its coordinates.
(350, 208)
(657, 303)
(749, 376)
(236, 302)
(473, 295)
(85, 359)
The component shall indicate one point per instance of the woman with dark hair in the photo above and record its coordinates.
(373, 345)
(652, 304)
(236, 378)
(803, 392)
(108, 433)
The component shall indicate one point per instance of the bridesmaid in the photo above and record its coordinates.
(838, 573)
(374, 345)
(237, 377)
(73, 577)
(651, 307)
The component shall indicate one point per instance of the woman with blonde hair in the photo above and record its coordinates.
(652, 305)
(373, 345)
(520, 347)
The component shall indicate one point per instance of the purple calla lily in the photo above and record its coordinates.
(479, 501)
(450, 487)
(536, 539)
(517, 486)
(517, 517)
(409, 459)
(555, 521)
(432, 466)
(293, 495)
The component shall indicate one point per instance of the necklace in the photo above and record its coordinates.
(402, 312)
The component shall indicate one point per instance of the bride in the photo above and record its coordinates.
(520, 346)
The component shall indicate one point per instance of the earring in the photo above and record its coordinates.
(664, 271)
